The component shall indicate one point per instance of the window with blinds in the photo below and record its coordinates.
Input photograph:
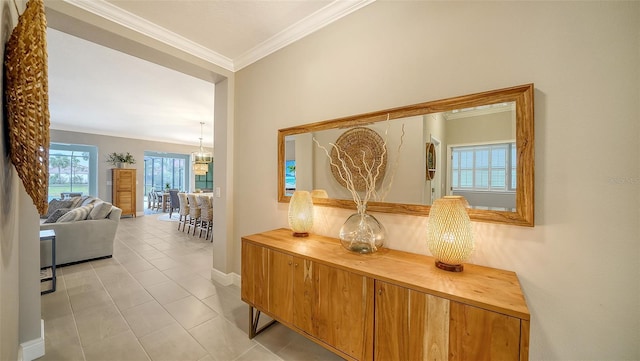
(489, 167)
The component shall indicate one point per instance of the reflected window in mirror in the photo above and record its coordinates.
(290, 176)
(485, 175)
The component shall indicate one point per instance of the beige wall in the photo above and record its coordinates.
(481, 129)
(579, 266)
(9, 233)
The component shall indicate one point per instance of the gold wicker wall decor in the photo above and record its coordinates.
(430, 150)
(27, 102)
(362, 145)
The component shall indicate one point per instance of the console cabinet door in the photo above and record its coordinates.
(335, 307)
(255, 275)
(280, 282)
(483, 335)
(391, 322)
(344, 316)
(411, 325)
(305, 297)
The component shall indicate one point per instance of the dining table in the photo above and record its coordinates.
(166, 200)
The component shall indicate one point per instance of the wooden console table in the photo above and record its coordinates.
(390, 305)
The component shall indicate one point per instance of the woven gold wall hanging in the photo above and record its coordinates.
(354, 142)
(27, 102)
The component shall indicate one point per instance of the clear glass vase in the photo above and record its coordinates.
(362, 233)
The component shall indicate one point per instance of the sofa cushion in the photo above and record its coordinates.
(56, 204)
(56, 215)
(76, 214)
(100, 210)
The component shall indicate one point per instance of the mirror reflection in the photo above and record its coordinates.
(479, 146)
(468, 152)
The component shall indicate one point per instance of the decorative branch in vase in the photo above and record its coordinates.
(362, 174)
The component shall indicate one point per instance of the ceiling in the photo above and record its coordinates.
(102, 91)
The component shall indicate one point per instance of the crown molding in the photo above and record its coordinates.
(131, 21)
(319, 19)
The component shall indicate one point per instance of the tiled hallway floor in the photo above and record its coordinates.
(154, 300)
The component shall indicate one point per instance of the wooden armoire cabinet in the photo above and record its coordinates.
(124, 190)
(390, 305)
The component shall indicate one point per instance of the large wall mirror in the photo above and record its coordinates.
(480, 146)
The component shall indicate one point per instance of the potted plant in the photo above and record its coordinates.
(167, 186)
(120, 160)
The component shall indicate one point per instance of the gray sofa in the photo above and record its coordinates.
(81, 240)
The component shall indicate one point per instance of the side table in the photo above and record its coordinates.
(49, 273)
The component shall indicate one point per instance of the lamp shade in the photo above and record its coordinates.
(200, 168)
(301, 213)
(319, 193)
(202, 157)
(449, 232)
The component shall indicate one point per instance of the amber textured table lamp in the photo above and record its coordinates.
(319, 193)
(449, 233)
(301, 213)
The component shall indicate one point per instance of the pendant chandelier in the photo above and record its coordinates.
(200, 168)
(201, 159)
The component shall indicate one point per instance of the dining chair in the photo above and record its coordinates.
(154, 200)
(149, 200)
(158, 198)
(194, 213)
(174, 202)
(206, 216)
(184, 210)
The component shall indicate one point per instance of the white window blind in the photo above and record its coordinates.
(488, 167)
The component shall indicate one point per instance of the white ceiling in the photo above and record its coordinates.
(94, 89)
(102, 91)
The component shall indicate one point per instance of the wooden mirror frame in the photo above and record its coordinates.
(522, 96)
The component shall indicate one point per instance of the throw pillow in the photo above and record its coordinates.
(88, 200)
(100, 210)
(56, 204)
(76, 214)
(56, 215)
(76, 202)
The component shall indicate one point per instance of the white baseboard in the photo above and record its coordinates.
(33, 349)
(236, 279)
(225, 279)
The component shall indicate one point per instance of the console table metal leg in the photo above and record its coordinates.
(53, 263)
(50, 235)
(253, 323)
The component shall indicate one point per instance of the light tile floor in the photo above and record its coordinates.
(154, 300)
